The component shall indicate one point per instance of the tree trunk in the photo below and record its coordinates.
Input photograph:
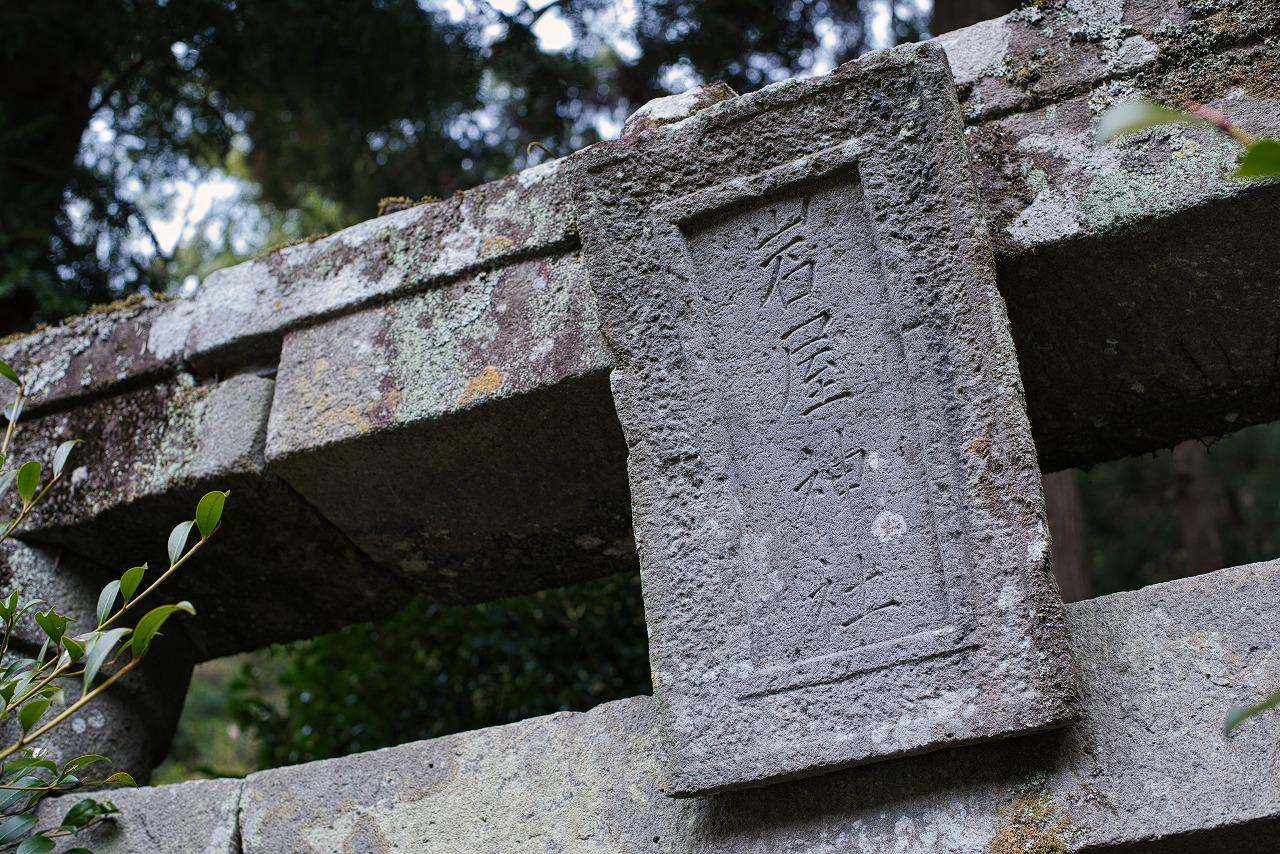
(1066, 527)
(1197, 499)
(951, 15)
(52, 57)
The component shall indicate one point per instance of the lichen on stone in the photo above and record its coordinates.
(1033, 822)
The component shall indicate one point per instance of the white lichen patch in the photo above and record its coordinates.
(976, 51)
(1052, 215)
(537, 174)
(888, 526)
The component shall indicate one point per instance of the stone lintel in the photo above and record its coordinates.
(242, 311)
(276, 571)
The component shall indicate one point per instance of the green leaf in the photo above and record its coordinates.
(32, 712)
(13, 411)
(9, 606)
(1237, 715)
(36, 845)
(30, 762)
(9, 797)
(52, 623)
(178, 540)
(6, 478)
(81, 814)
(149, 625)
(130, 580)
(9, 373)
(209, 512)
(79, 762)
(17, 827)
(1261, 160)
(97, 651)
(28, 481)
(122, 778)
(1132, 116)
(74, 648)
(107, 600)
(60, 456)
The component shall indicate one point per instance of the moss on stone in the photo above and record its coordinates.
(1034, 824)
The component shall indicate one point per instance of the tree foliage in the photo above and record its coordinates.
(434, 670)
(325, 106)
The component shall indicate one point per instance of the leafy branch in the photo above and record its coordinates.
(94, 660)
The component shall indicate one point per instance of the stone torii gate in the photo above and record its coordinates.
(800, 296)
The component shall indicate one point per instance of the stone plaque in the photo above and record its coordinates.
(836, 499)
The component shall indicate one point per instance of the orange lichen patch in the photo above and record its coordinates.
(499, 241)
(481, 385)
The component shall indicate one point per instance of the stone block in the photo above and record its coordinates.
(199, 817)
(241, 312)
(836, 501)
(276, 572)
(476, 420)
(134, 721)
(92, 354)
(1146, 769)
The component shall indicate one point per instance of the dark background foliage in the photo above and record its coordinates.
(326, 106)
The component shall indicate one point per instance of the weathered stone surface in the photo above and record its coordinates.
(277, 571)
(835, 495)
(1119, 354)
(241, 312)
(473, 419)
(88, 355)
(1145, 769)
(199, 817)
(674, 108)
(132, 723)
(1054, 50)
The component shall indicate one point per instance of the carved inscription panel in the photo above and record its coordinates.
(838, 546)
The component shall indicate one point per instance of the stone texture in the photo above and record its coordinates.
(242, 311)
(276, 572)
(475, 418)
(675, 108)
(835, 496)
(199, 817)
(86, 356)
(1120, 354)
(1145, 769)
(132, 723)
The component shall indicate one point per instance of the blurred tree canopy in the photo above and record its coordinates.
(322, 107)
